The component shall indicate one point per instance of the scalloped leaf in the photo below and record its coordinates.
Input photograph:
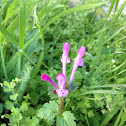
(66, 119)
(48, 111)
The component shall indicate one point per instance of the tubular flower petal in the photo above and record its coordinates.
(66, 48)
(62, 92)
(61, 80)
(45, 77)
(79, 61)
(81, 52)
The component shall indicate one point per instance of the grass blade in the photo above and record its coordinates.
(28, 11)
(118, 118)
(10, 11)
(124, 63)
(22, 23)
(47, 9)
(13, 58)
(2, 57)
(75, 9)
(109, 116)
(117, 2)
(111, 6)
(120, 11)
(102, 92)
(122, 72)
(21, 33)
(37, 67)
(123, 120)
(108, 85)
(13, 41)
(12, 61)
(95, 35)
(115, 34)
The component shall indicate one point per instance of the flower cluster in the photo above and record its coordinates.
(61, 77)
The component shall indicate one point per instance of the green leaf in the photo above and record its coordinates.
(34, 97)
(14, 96)
(35, 121)
(90, 114)
(30, 112)
(24, 106)
(49, 111)
(30, 121)
(51, 92)
(66, 119)
(78, 75)
(25, 78)
(9, 105)
(1, 108)
(3, 124)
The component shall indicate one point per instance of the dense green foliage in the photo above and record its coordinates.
(32, 33)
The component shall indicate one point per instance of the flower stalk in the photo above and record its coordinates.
(61, 105)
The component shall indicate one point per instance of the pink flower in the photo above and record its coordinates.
(61, 80)
(66, 48)
(79, 61)
(45, 77)
(62, 92)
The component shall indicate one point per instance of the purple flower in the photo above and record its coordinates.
(61, 80)
(79, 61)
(45, 77)
(66, 48)
(62, 92)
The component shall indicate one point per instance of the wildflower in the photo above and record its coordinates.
(66, 48)
(61, 91)
(79, 61)
(61, 83)
(45, 77)
(113, 61)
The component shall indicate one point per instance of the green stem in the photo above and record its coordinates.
(86, 119)
(14, 95)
